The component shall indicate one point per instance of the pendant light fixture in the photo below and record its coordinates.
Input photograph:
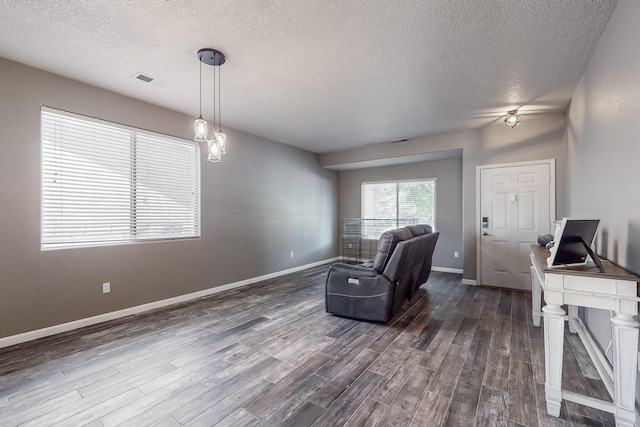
(200, 125)
(512, 119)
(219, 136)
(215, 155)
(217, 143)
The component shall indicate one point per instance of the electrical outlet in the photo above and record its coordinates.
(455, 254)
(106, 287)
(291, 254)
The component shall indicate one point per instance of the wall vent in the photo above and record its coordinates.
(148, 79)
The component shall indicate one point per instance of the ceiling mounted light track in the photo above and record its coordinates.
(217, 143)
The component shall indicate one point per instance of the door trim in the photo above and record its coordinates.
(478, 229)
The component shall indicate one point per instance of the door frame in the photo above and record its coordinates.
(478, 228)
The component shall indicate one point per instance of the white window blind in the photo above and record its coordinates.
(400, 200)
(106, 184)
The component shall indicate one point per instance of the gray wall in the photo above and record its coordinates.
(265, 200)
(602, 132)
(538, 137)
(448, 174)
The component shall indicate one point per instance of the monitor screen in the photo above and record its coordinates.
(572, 242)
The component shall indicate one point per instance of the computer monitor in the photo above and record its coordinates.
(572, 243)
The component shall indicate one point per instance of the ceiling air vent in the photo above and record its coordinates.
(148, 79)
(393, 141)
(144, 78)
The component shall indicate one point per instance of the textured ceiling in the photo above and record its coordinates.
(323, 75)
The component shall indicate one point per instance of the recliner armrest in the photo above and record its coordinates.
(356, 280)
(353, 270)
(358, 292)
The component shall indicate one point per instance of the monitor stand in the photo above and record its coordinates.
(594, 257)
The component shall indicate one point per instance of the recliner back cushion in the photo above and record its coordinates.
(429, 246)
(426, 227)
(387, 244)
(416, 230)
(406, 263)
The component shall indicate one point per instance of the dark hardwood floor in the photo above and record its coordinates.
(269, 355)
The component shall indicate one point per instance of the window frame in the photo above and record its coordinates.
(133, 236)
(397, 183)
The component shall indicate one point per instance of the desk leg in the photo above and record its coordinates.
(625, 365)
(553, 352)
(535, 297)
(573, 314)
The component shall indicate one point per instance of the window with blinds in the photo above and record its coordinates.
(398, 201)
(110, 184)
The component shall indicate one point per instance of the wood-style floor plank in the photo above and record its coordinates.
(437, 350)
(587, 367)
(522, 406)
(402, 408)
(369, 414)
(282, 387)
(284, 408)
(268, 355)
(467, 391)
(305, 416)
(344, 407)
(395, 379)
(466, 331)
(234, 401)
(492, 407)
(446, 378)
(327, 394)
(164, 408)
(431, 410)
(239, 417)
(496, 374)
(520, 343)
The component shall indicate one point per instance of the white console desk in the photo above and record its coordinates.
(584, 286)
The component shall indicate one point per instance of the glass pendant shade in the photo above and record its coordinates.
(512, 119)
(200, 130)
(215, 156)
(221, 138)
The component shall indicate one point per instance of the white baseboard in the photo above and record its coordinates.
(88, 321)
(470, 282)
(447, 270)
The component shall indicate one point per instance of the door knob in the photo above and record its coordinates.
(484, 233)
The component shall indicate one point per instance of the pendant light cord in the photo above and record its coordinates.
(200, 87)
(219, 98)
(214, 96)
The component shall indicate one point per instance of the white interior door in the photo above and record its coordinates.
(515, 207)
